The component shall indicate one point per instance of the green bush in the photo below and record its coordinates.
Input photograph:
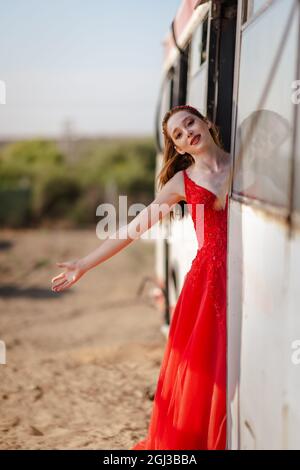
(55, 195)
(83, 213)
(58, 188)
(32, 154)
(15, 206)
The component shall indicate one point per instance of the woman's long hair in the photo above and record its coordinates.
(172, 160)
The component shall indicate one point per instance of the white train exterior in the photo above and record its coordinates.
(238, 63)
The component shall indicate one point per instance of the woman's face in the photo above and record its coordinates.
(189, 133)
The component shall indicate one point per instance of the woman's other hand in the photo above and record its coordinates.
(73, 272)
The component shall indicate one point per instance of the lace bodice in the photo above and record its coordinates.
(213, 250)
(213, 222)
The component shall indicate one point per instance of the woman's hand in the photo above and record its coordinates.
(73, 272)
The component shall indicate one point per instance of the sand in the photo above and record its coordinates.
(82, 365)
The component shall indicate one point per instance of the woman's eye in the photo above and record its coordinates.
(178, 135)
(191, 122)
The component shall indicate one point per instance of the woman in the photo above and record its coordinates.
(189, 410)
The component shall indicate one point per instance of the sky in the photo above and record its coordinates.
(89, 67)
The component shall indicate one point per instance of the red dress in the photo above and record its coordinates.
(189, 409)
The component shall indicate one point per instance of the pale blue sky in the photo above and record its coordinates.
(95, 63)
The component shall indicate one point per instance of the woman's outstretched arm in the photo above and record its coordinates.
(161, 205)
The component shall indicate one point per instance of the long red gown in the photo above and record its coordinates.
(189, 409)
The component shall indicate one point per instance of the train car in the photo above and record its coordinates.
(238, 63)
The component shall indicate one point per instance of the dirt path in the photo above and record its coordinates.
(82, 365)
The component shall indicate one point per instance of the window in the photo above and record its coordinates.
(203, 47)
(255, 5)
(251, 7)
(197, 79)
(263, 141)
(164, 106)
(199, 47)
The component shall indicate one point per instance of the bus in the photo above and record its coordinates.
(237, 61)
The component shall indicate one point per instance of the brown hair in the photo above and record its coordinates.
(172, 160)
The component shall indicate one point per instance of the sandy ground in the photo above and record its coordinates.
(82, 365)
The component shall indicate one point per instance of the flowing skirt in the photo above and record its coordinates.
(189, 409)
